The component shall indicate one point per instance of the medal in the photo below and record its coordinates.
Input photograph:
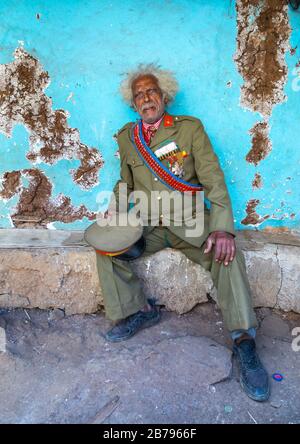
(175, 163)
(174, 157)
(177, 169)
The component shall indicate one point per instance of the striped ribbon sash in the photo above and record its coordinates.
(157, 167)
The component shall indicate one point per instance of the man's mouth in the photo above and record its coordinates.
(149, 108)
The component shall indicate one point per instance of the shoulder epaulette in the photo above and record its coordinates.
(191, 118)
(125, 127)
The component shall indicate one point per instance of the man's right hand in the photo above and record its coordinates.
(109, 214)
(224, 245)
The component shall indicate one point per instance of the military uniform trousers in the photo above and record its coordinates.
(124, 296)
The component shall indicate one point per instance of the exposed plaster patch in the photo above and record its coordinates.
(252, 217)
(257, 181)
(22, 100)
(35, 207)
(261, 144)
(262, 41)
(11, 184)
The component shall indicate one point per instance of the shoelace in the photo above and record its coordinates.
(253, 360)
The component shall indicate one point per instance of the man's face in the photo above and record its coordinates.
(148, 98)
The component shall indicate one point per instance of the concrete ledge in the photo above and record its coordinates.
(56, 269)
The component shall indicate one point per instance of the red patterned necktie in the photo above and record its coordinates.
(149, 133)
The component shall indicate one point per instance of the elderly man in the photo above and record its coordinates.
(149, 90)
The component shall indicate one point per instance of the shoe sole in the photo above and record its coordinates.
(147, 324)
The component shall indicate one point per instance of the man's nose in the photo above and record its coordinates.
(146, 97)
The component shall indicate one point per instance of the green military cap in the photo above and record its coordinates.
(126, 242)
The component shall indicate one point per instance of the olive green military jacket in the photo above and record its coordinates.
(200, 165)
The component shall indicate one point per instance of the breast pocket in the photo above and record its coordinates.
(138, 170)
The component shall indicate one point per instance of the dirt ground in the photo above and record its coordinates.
(59, 369)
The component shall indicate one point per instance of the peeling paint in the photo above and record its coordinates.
(262, 41)
(85, 78)
(11, 184)
(22, 100)
(261, 144)
(252, 217)
(257, 181)
(35, 207)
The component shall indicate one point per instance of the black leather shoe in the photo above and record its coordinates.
(253, 376)
(133, 323)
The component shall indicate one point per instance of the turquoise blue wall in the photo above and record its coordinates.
(86, 45)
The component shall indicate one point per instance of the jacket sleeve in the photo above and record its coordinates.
(211, 177)
(126, 178)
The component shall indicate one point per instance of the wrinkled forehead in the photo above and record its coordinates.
(144, 81)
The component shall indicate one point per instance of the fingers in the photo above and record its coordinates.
(209, 245)
(218, 250)
(109, 214)
(225, 248)
(228, 256)
(225, 251)
(233, 251)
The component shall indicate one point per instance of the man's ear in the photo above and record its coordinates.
(166, 100)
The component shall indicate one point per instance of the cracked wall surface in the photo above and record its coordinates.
(36, 208)
(22, 100)
(257, 181)
(51, 139)
(261, 144)
(253, 218)
(262, 41)
(60, 106)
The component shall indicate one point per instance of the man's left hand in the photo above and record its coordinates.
(225, 248)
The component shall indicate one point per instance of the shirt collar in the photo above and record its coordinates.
(156, 124)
